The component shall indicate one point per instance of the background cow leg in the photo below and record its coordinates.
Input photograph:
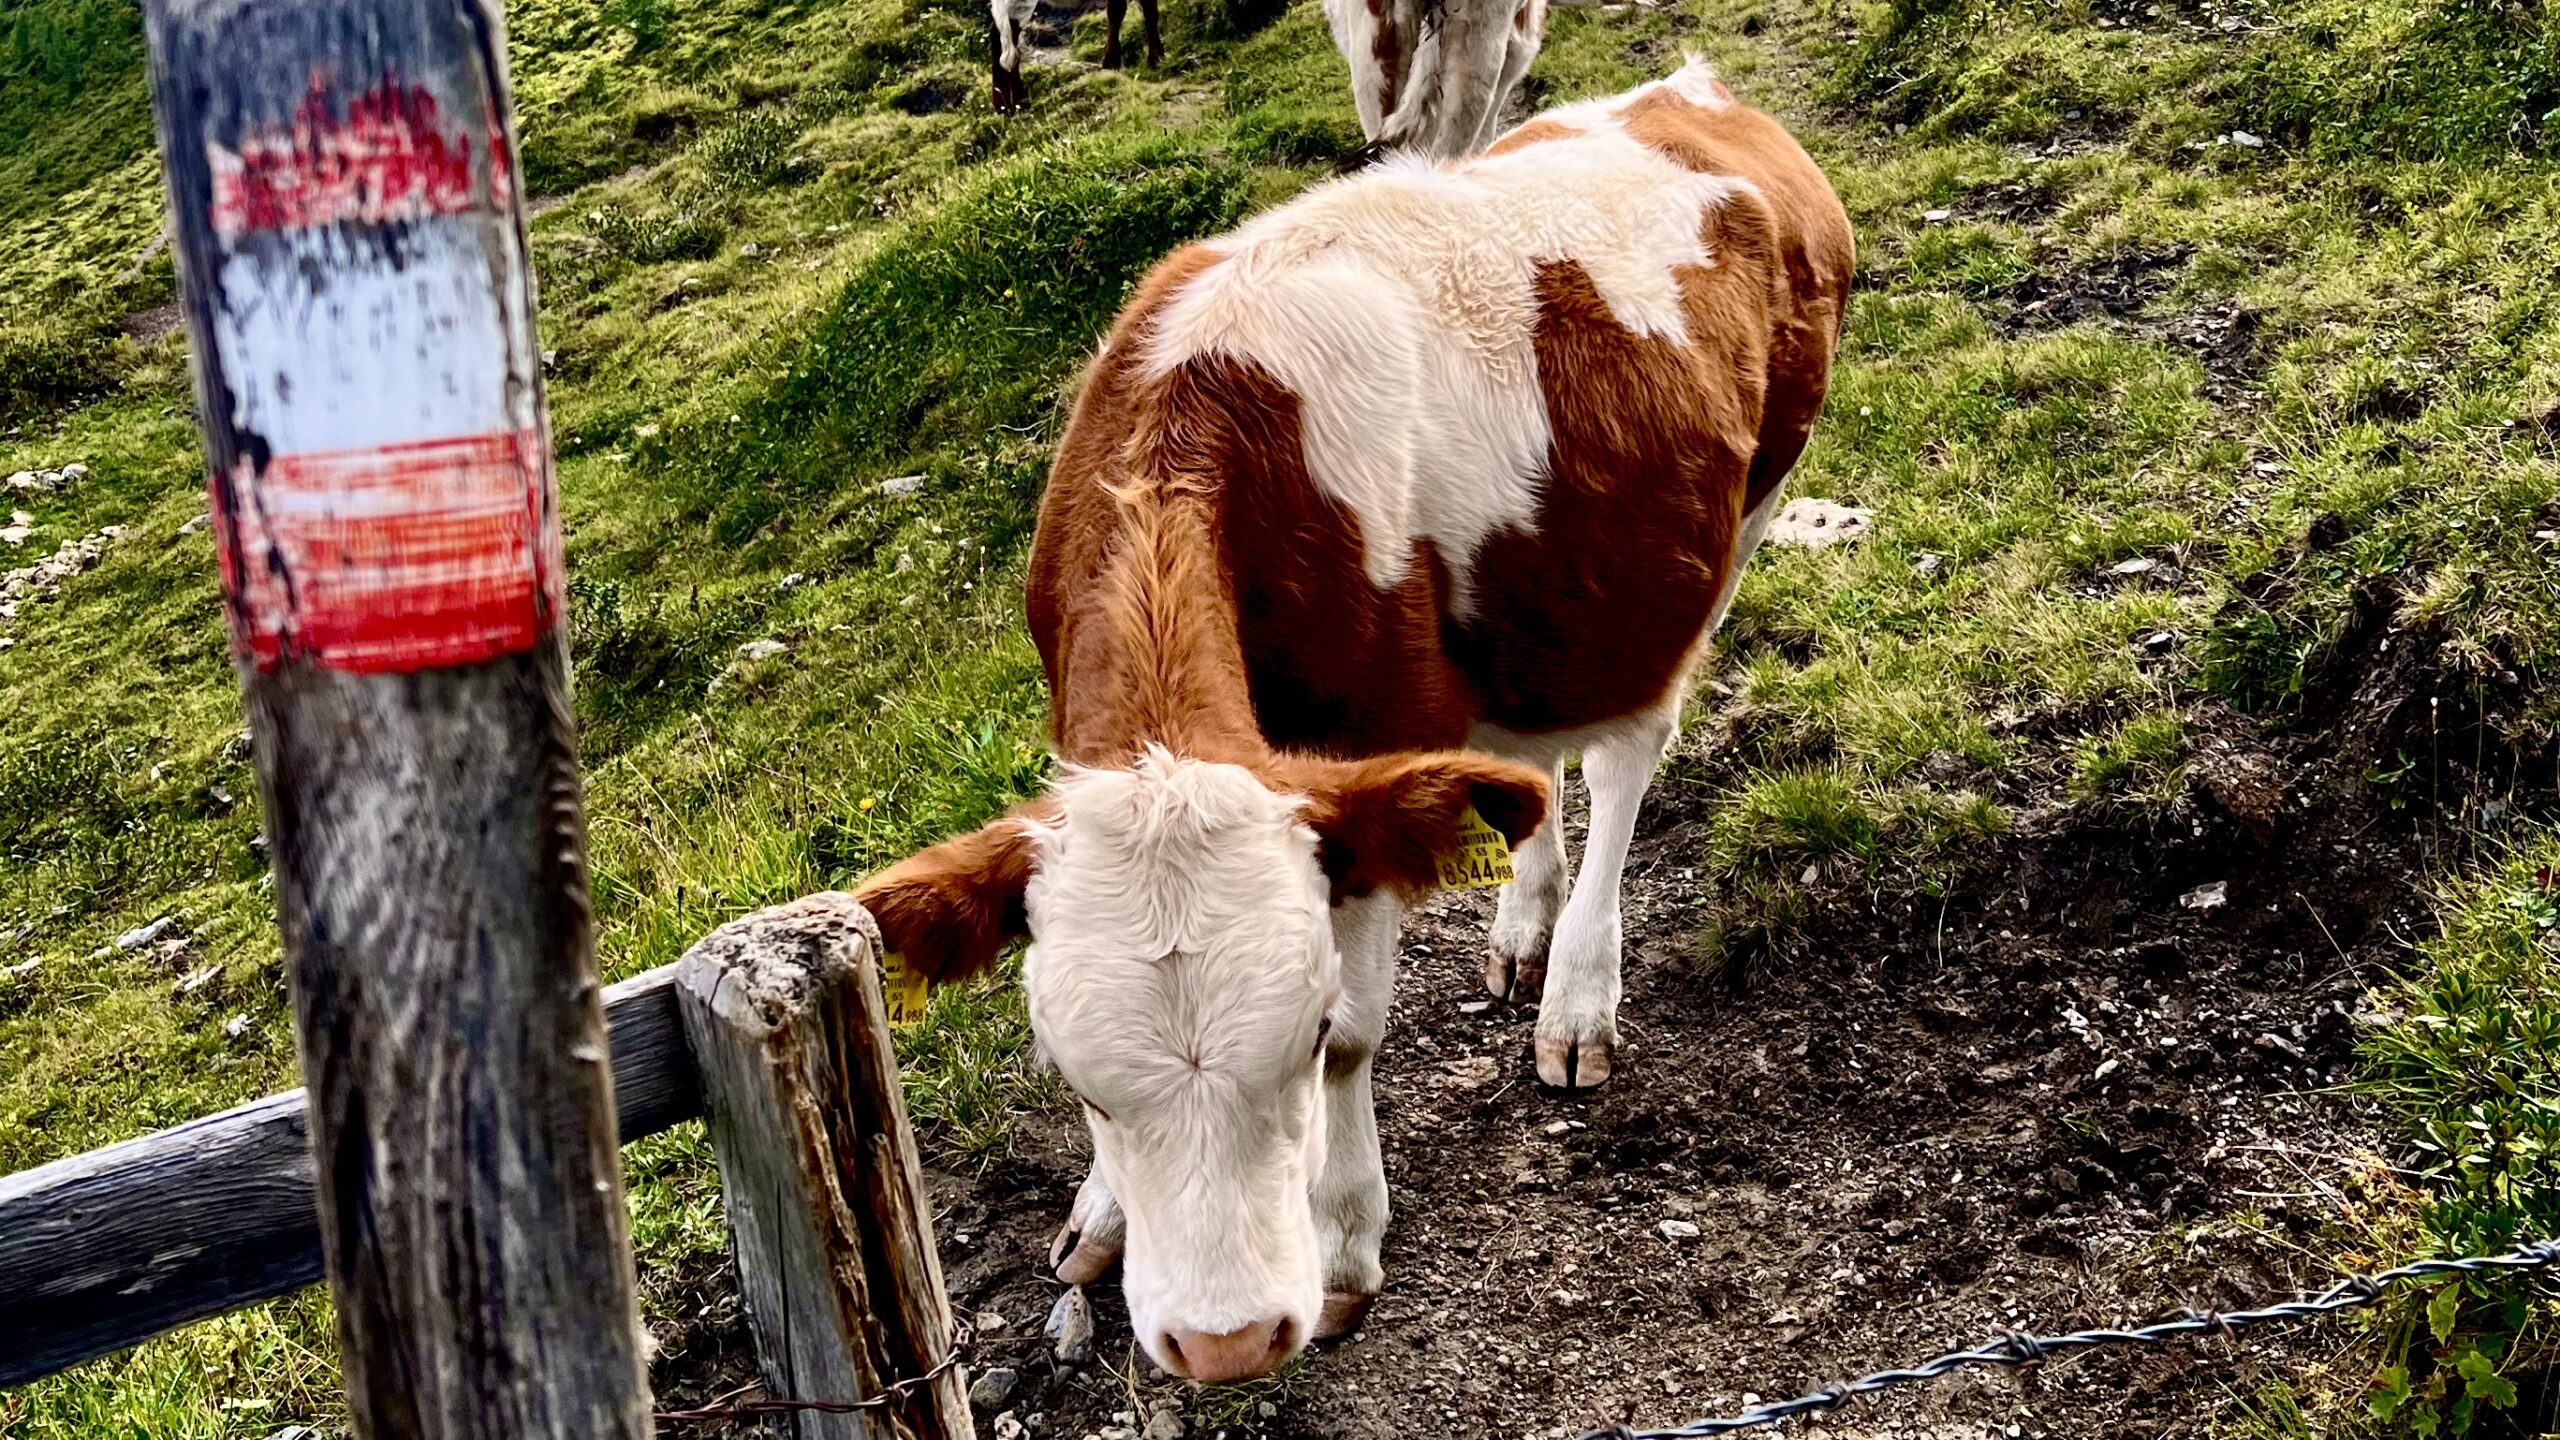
(1113, 13)
(1578, 1016)
(1088, 1245)
(1524, 917)
(1351, 1195)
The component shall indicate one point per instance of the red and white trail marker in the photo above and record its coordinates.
(391, 506)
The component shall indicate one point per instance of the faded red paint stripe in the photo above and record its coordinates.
(391, 157)
(401, 558)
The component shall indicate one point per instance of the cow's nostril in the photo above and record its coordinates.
(1174, 1358)
(1284, 1337)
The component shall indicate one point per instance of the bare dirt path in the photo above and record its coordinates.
(2054, 1097)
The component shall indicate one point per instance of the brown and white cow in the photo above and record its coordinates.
(1370, 512)
(1432, 76)
(1011, 33)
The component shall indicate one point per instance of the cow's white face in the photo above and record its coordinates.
(1181, 966)
(1180, 970)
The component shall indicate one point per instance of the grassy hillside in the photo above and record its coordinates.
(2311, 376)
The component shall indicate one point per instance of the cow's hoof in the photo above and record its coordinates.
(1342, 1313)
(1515, 968)
(1088, 1245)
(1574, 1062)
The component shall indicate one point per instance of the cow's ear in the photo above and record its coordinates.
(951, 910)
(1386, 824)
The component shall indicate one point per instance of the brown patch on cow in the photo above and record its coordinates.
(951, 910)
(1387, 46)
(1535, 132)
(1801, 241)
(1597, 612)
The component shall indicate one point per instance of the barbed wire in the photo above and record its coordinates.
(2014, 1349)
(742, 1403)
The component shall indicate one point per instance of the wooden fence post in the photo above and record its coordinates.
(819, 1175)
(351, 259)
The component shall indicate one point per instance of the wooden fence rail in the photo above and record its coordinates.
(105, 1250)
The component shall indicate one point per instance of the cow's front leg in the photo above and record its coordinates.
(1578, 1014)
(1088, 1245)
(1350, 1199)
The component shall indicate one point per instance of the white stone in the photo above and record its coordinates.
(1813, 524)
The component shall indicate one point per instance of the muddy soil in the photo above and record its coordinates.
(2057, 1095)
(2068, 1090)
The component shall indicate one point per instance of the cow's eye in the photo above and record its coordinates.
(1324, 1027)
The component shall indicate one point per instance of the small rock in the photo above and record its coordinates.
(2107, 1069)
(1164, 1424)
(22, 969)
(2245, 140)
(792, 581)
(2207, 897)
(2159, 642)
(550, 359)
(1267, 1410)
(197, 979)
(201, 522)
(989, 1323)
(294, 1432)
(1070, 1327)
(20, 526)
(1472, 1072)
(1474, 1007)
(994, 1388)
(902, 485)
(646, 430)
(1007, 1427)
(1928, 566)
(1560, 1127)
(142, 935)
(762, 649)
(1814, 524)
(1530, 1182)
(2138, 565)
(236, 1026)
(1937, 217)
(22, 480)
(1677, 1230)
(751, 250)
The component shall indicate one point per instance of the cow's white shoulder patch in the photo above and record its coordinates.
(1400, 307)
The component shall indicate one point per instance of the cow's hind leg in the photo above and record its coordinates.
(1350, 1199)
(1578, 1014)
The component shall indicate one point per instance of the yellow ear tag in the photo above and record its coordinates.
(1482, 859)
(903, 990)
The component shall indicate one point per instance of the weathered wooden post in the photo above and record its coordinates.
(351, 256)
(818, 1173)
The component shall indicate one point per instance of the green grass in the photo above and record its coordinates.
(785, 254)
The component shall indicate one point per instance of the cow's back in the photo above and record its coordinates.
(1482, 437)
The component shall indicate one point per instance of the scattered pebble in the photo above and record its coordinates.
(236, 1026)
(994, 1388)
(2245, 140)
(1007, 1427)
(1677, 1230)
(1929, 566)
(1165, 1423)
(902, 485)
(762, 649)
(2207, 897)
(2138, 565)
(1937, 217)
(197, 979)
(1815, 524)
(201, 522)
(22, 969)
(20, 526)
(2159, 641)
(792, 581)
(41, 482)
(1474, 1007)
(1070, 1328)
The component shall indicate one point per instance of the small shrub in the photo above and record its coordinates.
(47, 365)
(2137, 766)
(654, 237)
(754, 150)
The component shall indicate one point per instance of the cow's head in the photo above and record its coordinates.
(1181, 968)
